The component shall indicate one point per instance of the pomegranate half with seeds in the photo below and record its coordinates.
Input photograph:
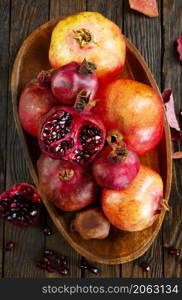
(92, 36)
(74, 134)
(69, 186)
(21, 205)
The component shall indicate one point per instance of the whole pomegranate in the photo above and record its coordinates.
(91, 224)
(116, 165)
(69, 80)
(135, 109)
(69, 186)
(92, 36)
(74, 134)
(35, 101)
(21, 205)
(137, 206)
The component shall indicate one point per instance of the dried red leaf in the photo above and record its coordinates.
(179, 48)
(177, 155)
(168, 99)
(148, 8)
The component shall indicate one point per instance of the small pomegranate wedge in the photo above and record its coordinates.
(21, 205)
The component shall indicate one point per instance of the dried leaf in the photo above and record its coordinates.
(148, 8)
(179, 48)
(168, 99)
(177, 155)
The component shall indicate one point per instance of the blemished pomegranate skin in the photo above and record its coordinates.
(137, 206)
(135, 109)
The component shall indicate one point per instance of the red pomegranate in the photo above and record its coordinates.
(137, 206)
(135, 109)
(70, 79)
(116, 166)
(69, 186)
(21, 205)
(74, 134)
(35, 101)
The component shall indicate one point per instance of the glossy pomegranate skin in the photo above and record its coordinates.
(137, 206)
(135, 109)
(21, 205)
(114, 173)
(71, 137)
(105, 45)
(35, 101)
(69, 192)
(68, 81)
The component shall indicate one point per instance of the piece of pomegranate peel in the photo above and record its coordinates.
(148, 8)
(179, 47)
(168, 99)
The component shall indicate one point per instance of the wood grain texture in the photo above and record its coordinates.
(4, 71)
(145, 33)
(172, 78)
(25, 16)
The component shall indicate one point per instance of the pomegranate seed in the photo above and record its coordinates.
(145, 266)
(64, 271)
(49, 252)
(9, 246)
(50, 268)
(174, 251)
(46, 260)
(94, 270)
(41, 265)
(83, 264)
(61, 260)
(47, 231)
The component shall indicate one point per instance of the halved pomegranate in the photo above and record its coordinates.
(21, 205)
(74, 134)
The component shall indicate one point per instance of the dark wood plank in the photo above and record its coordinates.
(25, 16)
(113, 10)
(59, 8)
(145, 34)
(172, 78)
(4, 69)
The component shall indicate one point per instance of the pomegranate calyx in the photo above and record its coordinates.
(65, 174)
(44, 78)
(115, 141)
(82, 36)
(114, 137)
(87, 67)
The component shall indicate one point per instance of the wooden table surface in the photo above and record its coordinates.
(156, 40)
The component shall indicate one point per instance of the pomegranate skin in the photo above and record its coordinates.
(35, 101)
(67, 44)
(112, 173)
(137, 206)
(68, 81)
(135, 109)
(69, 186)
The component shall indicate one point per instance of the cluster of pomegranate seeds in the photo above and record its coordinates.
(57, 128)
(91, 138)
(19, 209)
(53, 262)
(174, 251)
(84, 265)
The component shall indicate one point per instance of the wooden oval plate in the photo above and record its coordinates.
(119, 247)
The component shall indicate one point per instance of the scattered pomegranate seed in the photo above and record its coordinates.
(49, 252)
(61, 260)
(9, 246)
(84, 265)
(50, 268)
(41, 265)
(46, 260)
(145, 266)
(48, 231)
(94, 270)
(173, 251)
(64, 271)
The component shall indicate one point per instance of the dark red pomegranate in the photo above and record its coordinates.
(69, 186)
(21, 205)
(74, 134)
(116, 165)
(70, 79)
(36, 100)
